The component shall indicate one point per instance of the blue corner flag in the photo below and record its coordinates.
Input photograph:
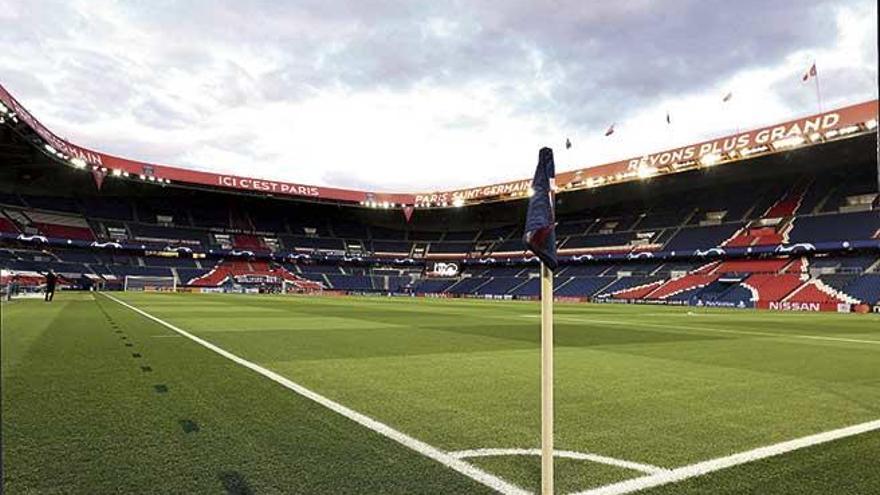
(540, 231)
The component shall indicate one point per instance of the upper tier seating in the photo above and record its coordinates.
(8, 226)
(752, 266)
(168, 235)
(108, 208)
(756, 236)
(838, 227)
(396, 247)
(702, 237)
(249, 242)
(65, 231)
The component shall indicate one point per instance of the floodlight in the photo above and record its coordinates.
(789, 142)
(645, 172)
(710, 159)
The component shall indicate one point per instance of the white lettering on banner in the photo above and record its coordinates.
(728, 144)
(268, 186)
(809, 126)
(478, 192)
(795, 306)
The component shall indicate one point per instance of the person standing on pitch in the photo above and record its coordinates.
(12, 287)
(51, 280)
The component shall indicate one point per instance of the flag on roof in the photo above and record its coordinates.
(727, 97)
(540, 229)
(810, 73)
(668, 119)
(98, 174)
(567, 143)
(408, 212)
(610, 130)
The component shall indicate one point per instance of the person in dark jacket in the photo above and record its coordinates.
(51, 281)
(12, 287)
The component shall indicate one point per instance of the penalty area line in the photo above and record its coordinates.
(419, 446)
(702, 468)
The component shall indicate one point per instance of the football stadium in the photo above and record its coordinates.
(713, 312)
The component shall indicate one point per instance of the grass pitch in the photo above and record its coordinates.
(98, 398)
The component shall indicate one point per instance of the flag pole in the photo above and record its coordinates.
(546, 380)
(818, 92)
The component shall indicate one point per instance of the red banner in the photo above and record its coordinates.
(666, 161)
(727, 147)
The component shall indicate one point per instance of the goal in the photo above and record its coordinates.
(150, 284)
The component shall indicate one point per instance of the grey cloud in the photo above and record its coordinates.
(602, 59)
(161, 115)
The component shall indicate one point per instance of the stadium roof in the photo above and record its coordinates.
(841, 123)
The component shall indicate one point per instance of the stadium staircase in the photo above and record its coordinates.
(817, 291)
(775, 224)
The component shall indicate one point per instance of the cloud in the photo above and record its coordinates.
(422, 95)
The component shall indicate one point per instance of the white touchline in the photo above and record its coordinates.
(637, 323)
(562, 454)
(423, 448)
(706, 467)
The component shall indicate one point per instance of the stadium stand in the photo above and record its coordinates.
(769, 230)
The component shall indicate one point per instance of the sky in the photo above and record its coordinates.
(415, 96)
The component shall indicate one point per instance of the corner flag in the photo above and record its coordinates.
(540, 230)
(540, 238)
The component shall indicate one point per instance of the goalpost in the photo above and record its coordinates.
(149, 284)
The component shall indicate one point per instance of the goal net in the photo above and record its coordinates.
(300, 287)
(150, 284)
